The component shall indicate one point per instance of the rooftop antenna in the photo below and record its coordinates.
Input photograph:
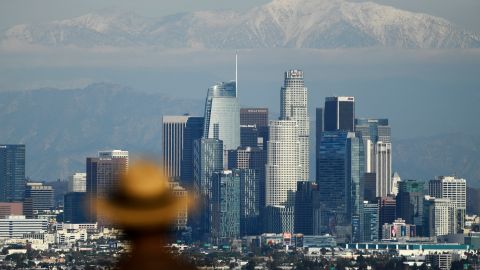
(236, 73)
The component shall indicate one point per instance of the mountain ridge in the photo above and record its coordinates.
(278, 24)
(69, 125)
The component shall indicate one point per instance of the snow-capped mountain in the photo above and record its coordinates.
(280, 23)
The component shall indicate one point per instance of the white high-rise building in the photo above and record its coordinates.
(439, 216)
(173, 128)
(77, 182)
(283, 164)
(294, 106)
(452, 188)
(114, 154)
(383, 169)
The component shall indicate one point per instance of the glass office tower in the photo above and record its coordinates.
(340, 181)
(12, 172)
(222, 115)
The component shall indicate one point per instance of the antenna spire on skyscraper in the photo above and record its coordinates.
(236, 73)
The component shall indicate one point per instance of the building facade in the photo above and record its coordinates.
(439, 217)
(222, 115)
(454, 189)
(17, 226)
(77, 182)
(410, 203)
(294, 106)
(208, 159)
(340, 180)
(75, 209)
(193, 131)
(339, 114)
(38, 199)
(307, 209)
(173, 129)
(103, 177)
(12, 172)
(225, 206)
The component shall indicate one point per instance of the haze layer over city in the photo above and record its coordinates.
(310, 120)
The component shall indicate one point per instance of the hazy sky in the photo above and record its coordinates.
(424, 92)
(462, 12)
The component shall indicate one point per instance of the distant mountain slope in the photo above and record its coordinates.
(447, 154)
(62, 127)
(280, 23)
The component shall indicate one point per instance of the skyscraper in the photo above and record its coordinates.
(12, 172)
(254, 119)
(75, 207)
(376, 135)
(255, 159)
(193, 131)
(103, 177)
(249, 202)
(318, 133)
(254, 116)
(383, 169)
(454, 189)
(222, 115)
(38, 198)
(370, 219)
(386, 212)
(410, 202)
(225, 202)
(181, 194)
(340, 179)
(307, 209)
(208, 159)
(294, 106)
(439, 217)
(77, 182)
(173, 129)
(283, 168)
(339, 114)
(282, 174)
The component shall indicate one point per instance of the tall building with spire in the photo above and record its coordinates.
(222, 113)
(294, 106)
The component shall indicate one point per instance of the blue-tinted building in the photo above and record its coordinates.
(340, 181)
(339, 114)
(307, 208)
(249, 202)
(207, 159)
(225, 206)
(370, 221)
(75, 207)
(409, 202)
(222, 115)
(193, 131)
(12, 172)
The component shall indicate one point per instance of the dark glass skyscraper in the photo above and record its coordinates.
(307, 208)
(207, 159)
(12, 172)
(410, 202)
(339, 114)
(75, 207)
(193, 131)
(340, 180)
(225, 206)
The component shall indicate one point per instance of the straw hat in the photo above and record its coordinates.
(143, 199)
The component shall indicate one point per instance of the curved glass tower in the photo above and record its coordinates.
(222, 115)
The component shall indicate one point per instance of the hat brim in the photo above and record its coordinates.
(134, 217)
